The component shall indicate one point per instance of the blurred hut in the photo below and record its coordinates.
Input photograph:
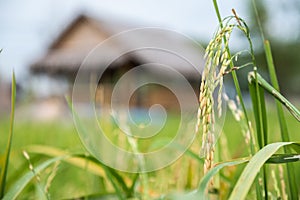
(66, 54)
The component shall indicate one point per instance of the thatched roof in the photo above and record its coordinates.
(68, 51)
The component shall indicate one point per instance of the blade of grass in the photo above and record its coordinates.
(117, 188)
(94, 166)
(252, 90)
(283, 158)
(259, 108)
(21, 183)
(282, 122)
(120, 181)
(80, 162)
(133, 184)
(9, 142)
(201, 192)
(274, 81)
(270, 89)
(39, 192)
(253, 167)
(115, 179)
(263, 115)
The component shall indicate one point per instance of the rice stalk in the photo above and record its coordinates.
(218, 60)
(36, 175)
(245, 31)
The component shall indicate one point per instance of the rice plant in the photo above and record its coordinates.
(262, 151)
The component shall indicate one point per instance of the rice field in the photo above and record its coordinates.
(71, 182)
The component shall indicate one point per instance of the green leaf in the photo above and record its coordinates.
(259, 108)
(4, 167)
(255, 106)
(270, 89)
(80, 162)
(271, 66)
(134, 182)
(88, 163)
(21, 183)
(283, 158)
(283, 125)
(200, 193)
(205, 180)
(251, 170)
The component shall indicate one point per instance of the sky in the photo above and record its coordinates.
(27, 27)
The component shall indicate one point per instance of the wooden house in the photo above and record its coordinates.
(66, 54)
